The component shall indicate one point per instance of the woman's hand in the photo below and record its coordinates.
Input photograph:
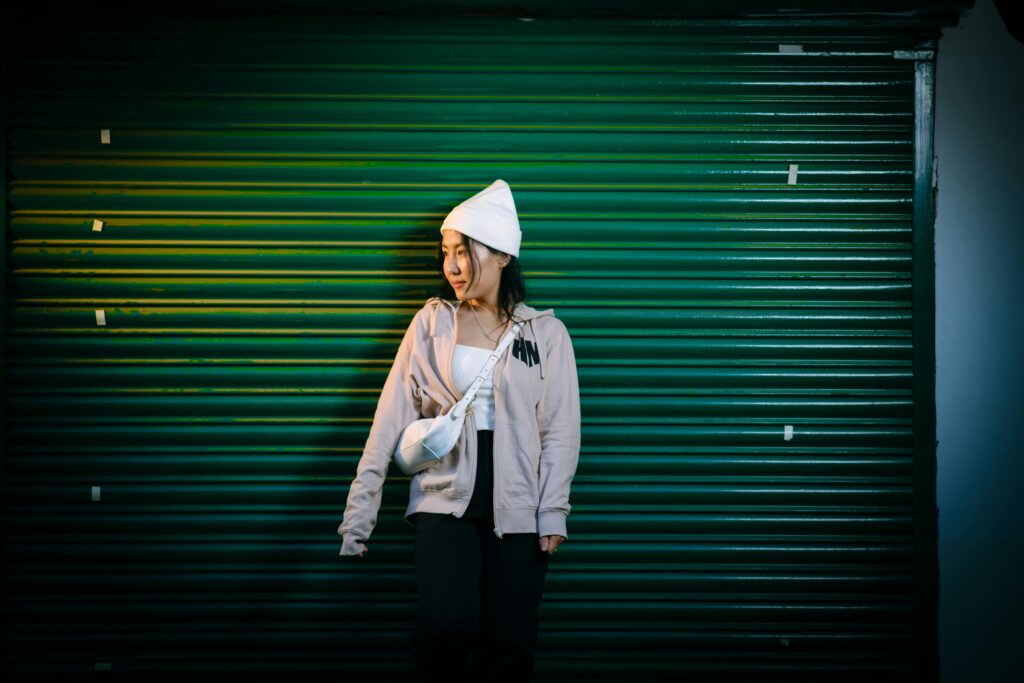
(352, 546)
(549, 544)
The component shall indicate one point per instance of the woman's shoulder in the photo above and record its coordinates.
(555, 326)
(436, 301)
(430, 304)
(547, 317)
(426, 318)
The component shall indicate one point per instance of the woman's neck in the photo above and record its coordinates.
(485, 305)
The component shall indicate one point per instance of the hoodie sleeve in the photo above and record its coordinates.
(398, 405)
(558, 417)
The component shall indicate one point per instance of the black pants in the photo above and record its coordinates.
(479, 594)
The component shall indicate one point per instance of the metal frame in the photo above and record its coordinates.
(926, 512)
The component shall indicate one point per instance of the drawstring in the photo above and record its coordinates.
(540, 348)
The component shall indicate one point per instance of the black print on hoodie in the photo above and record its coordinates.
(526, 351)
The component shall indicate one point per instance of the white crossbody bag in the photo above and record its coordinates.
(426, 441)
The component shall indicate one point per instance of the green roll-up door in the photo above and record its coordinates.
(202, 304)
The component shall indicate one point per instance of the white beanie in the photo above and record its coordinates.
(490, 217)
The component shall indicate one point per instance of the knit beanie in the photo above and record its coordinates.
(489, 217)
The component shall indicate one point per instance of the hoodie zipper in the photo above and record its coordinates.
(494, 461)
(497, 398)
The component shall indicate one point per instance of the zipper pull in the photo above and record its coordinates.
(497, 532)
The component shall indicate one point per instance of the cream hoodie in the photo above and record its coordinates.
(536, 427)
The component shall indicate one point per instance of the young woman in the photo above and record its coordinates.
(488, 516)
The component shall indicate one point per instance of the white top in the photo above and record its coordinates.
(467, 363)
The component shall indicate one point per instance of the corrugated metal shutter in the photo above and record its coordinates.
(721, 213)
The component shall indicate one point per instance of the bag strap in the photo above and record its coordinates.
(460, 408)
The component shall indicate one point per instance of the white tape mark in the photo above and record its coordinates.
(792, 174)
(105, 136)
(97, 225)
(788, 435)
(791, 49)
(101, 317)
(95, 494)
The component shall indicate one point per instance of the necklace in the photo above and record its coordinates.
(473, 309)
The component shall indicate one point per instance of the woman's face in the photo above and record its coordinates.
(458, 268)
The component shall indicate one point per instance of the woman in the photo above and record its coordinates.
(488, 516)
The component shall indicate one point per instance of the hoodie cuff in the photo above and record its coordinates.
(351, 545)
(551, 523)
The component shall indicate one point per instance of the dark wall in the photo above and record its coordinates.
(979, 236)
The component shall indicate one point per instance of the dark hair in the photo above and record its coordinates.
(511, 289)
